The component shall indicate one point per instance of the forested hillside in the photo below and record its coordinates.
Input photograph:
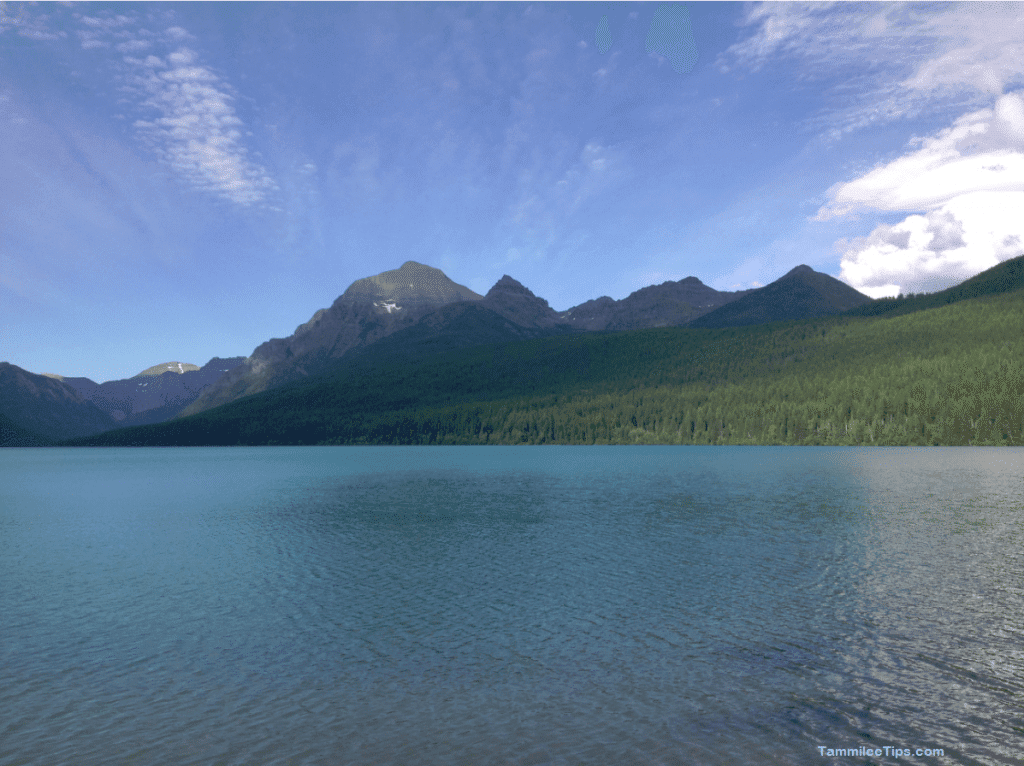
(946, 375)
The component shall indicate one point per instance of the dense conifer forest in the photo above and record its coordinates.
(920, 371)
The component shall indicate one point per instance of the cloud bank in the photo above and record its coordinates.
(962, 186)
(968, 183)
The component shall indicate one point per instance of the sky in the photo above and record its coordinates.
(188, 180)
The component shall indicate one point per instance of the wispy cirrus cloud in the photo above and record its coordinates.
(196, 130)
(911, 57)
(184, 110)
(27, 22)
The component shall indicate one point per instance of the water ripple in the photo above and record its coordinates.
(509, 606)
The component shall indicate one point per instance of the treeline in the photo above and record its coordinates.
(949, 375)
(894, 409)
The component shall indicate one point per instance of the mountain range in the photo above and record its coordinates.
(426, 311)
(408, 313)
(37, 409)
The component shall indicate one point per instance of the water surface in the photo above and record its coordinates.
(491, 605)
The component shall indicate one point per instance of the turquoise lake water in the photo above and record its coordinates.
(521, 605)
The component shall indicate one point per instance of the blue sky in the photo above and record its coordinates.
(183, 181)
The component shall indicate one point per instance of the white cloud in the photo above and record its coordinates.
(981, 47)
(913, 56)
(597, 168)
(965, 186)
(962, 187)
(926, 253)
(34, 26)
(133, 46)
(982, 151)
(192, 124)
(196, 130)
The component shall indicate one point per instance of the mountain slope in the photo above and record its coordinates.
(369, 310)
(155, 394)
(799, 294)
(1004, 277)
(509, 312)
(411, 284)
(160, 369)
(13, 435)
(521, 307)
(47, 407)
(946, 376)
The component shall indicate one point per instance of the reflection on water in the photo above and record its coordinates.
(510, 606)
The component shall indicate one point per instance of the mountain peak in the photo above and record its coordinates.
(799, 270)
(512, 300)
(412, 283)
(508, 284)
(799, 294)
(160, 369)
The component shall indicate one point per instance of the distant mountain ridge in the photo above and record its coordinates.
(833, 379)
(414, 311)
(415, 295)
(152, 396)
(801, 293)
(670, 304)
(160, 369)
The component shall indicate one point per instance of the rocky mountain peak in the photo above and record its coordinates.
(512, 300)
(507, 285)
(411, 284)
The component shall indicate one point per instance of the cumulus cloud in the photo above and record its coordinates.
(967, 182)
(926, 253)
(982, 151)
(946, 231)
(930, 252)
(961, 188)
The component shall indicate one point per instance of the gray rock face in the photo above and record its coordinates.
(160, 369)
(369, 310)
(410, 284)
(156, 394)
(510, 299)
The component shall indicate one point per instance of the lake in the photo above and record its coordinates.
(519, 605)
